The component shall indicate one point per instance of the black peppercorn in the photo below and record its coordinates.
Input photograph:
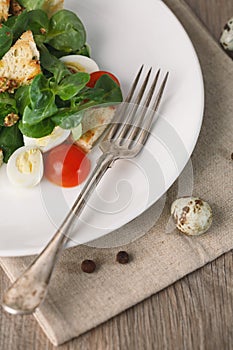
(122, 257)
(88, 266)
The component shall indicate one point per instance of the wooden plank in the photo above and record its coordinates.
(194, 313)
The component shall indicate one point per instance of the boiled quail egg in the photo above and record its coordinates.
(79, 63)
(192, 215)
(25, 167)
(226, 38)
(48, 142)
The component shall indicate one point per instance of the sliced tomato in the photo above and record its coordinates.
(96, 75)
(66, 165)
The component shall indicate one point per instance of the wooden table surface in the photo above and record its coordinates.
(194, 313)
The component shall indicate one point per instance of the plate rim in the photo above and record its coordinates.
(31, 251)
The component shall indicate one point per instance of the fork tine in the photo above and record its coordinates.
(143, 87)
(145, 129)
(134, 129)
(152, 89)
(134, 85)
(124, 106)
(123, 130)
(160, 93)
(138, 131)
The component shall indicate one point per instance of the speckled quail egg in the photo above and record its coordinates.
(226, 38)
(25, 167)
(79, 63)
(192, 215)
(48, 142)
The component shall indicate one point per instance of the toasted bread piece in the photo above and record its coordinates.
(4, 9)
(94, 123)
(52, 6)
(20, 64)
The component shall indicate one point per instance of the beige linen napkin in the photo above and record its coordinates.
(76, 301)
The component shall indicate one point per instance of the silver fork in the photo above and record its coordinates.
(123, 139)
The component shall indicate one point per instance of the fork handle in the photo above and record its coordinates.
(28, 291)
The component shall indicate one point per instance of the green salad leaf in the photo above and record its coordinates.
(6, 99)
(68, 118)
(22, 98)
(38, 23)
(32, 4)
(18, 24)
(105, 90)
(40, 129)
(7, 106)
(10, 139)
(56, 96)
(42, 108)
(66, 32)
(72, 84)
(6, 39)
(63, 33)
(53, 65)
(42, 101)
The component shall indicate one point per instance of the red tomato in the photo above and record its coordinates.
(96, 75)
(66, 165)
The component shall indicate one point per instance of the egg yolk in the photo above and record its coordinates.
(27, 162)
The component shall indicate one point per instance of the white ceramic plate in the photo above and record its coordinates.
(123, 34)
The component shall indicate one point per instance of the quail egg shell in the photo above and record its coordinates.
(226, 38)
(25, 167)
(79, 63)
(48, 142)
(192, 215)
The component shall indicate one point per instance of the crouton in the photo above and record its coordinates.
(20, 64)
(94, 123)
(4, 9)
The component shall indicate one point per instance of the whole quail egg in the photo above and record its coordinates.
(226, 38)
(192, 215)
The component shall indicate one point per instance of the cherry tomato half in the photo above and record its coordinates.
(96, 75)
(66, 165)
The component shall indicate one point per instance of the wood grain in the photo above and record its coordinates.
(194, 313)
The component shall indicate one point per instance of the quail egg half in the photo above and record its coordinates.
(192, 215)
(25, 167)
(46, 143)
(79, 63)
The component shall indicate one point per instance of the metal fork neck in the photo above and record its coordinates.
(28, 291)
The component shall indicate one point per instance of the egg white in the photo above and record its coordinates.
(80, 63)
(25, 167)
(48, 142)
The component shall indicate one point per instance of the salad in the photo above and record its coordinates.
(48, 83)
